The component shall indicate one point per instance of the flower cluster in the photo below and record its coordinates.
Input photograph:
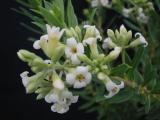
(73, 58)
(138, 10)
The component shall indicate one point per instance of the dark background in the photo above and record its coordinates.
(14, 102)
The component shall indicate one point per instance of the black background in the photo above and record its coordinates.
(14, 103)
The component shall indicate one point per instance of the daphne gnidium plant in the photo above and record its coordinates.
(112, 65)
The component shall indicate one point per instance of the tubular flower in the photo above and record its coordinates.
(49, 41)
(79, 78)
(139, 41)
(113, 88)
(24, 77)
(61, 100)
(73, 49)
(107, 43)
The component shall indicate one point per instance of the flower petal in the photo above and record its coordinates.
(88, 77)
(70, 78)
(79, 84)
(71, 42)
(75, 59)
(81, 70)
(68, 52)
(80, 48)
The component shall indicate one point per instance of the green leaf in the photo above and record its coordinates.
(127, 58)
(137, 58)
(60, 3)
(158, 3)
(153, 26)
(147, 103)
(92, 15)
(138, 78)
(131, 25)
(87, 105)
(49, 17)
(71, 17)
(122, 96)
(120, 69)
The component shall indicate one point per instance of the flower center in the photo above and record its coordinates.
(74, 50)
(114, 89)
(80, 77)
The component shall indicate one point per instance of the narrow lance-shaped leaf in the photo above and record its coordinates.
(71, 17)
(137, 58)
(120, 70)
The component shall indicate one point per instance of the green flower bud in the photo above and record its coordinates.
(33, 82)
(68, 33)
(120, 38)
(26, 56)
(85, 59)
(78, 31)
(101, 76)
(36, 63)
(111, 35)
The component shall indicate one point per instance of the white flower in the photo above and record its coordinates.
(73, 48)
(94, 3)
(53, 33)
(105, 3)
(61, 100)
(115, 53)
(141, 16)
(79, 78)
(59, 108)
(91, 36)
(24, 77)
(107, 43)
(113, 88)
(142, 39)
(51, 97)
(92, 32)
(126, 12)
(36, 44)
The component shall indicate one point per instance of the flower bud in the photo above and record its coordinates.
(57, 82)
(108, 44)
(112, 55)
(85, 59)
(121, 37)
(26, 56)
(32, 83)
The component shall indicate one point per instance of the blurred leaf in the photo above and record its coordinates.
(71, 17)
(92, 15)
(147, 103)
(87, 105)
(153, 26)
(122, 96)
(137, 58)
(127, 58)
(158, 3)
(131, 25)
(120, 69)
(138, 78)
